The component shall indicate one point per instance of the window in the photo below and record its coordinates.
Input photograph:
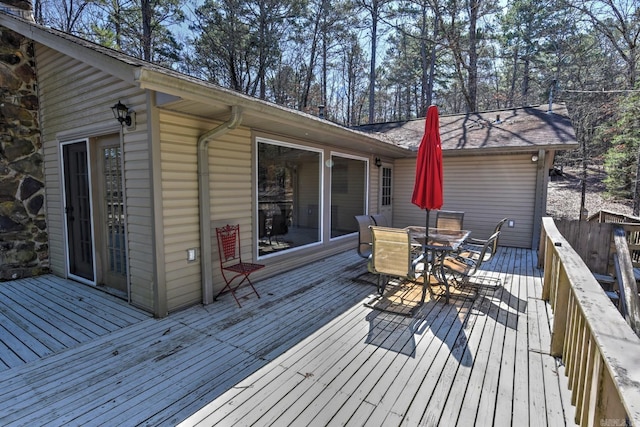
(348, 193)
(289, 196)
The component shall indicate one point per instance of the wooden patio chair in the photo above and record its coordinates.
(472, 247)
(449, 220)
(392, 256)
(364, 235)
(231, 263)
(458, 271)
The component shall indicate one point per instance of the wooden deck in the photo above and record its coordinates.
(309, 352)
(45, 315)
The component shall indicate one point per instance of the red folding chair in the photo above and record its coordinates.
(231, 261)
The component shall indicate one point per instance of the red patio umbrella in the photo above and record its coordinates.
(427, 190)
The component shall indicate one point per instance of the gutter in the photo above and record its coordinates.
(204, 202)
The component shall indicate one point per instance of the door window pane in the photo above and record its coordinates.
(288, 196)
(114, 211)
(386, 187)
(348, 194)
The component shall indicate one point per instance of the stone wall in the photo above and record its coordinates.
(24, 247)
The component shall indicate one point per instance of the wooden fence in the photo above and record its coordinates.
(600, 351)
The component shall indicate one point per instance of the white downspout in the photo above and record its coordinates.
(206, 264)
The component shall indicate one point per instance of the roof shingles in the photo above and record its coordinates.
(521, 129)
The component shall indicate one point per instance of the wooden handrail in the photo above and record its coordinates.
(600, 351)
(627, 280)
(622, 300)
(633, 241)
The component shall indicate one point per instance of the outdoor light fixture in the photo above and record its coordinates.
(378, 162)
(122, 114)
(534, 158)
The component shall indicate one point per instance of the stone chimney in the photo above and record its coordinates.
(24, 249)
(21, 8)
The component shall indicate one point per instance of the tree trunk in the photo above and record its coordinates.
(472, 85)
(324, 68)
(146, 29)
(372, 71)
(312, 59)
(525, 81)
(636, 190)
(514, 77)
(432, 66)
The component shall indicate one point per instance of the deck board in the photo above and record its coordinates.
(44, 315)
(505, 388)
(309, 352)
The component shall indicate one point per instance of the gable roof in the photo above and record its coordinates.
(512, 130)
(185, 94)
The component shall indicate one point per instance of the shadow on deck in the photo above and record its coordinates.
(309, 352)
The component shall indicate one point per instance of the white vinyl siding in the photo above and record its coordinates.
(486, 188)
(230, 178)
(139, 217)
(374, 187)
(178, 147)
(231, 186)
(76, 99)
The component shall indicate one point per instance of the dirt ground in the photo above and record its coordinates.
(565, 193)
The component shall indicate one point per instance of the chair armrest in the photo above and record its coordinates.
(473, 241)
(420, 259)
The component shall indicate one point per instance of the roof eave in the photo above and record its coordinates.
(507, 150)
(164, 81)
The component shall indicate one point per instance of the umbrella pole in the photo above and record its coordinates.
(427, 268)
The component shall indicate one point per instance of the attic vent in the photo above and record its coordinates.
(15, 11)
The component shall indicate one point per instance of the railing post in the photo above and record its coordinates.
(606, 409)
(627, 280)
(582, 406)
(560, 313)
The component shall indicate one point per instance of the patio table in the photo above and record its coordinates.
(441, 242)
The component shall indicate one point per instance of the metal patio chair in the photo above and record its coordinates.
(472, 247)
(450, 220)
(459, 271)
(364, 235)
(380, 220)
(231, 263)
(392, 256)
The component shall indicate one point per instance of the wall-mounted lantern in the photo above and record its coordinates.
(122, 114)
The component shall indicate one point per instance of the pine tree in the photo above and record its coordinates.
(621, 161)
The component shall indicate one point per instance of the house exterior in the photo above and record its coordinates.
(495, 166)
(134, 206)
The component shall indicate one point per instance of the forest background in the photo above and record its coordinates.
(368, 61)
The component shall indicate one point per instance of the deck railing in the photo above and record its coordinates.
(615, 217)
(600, 351)
(629, 304)
(631, 225)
